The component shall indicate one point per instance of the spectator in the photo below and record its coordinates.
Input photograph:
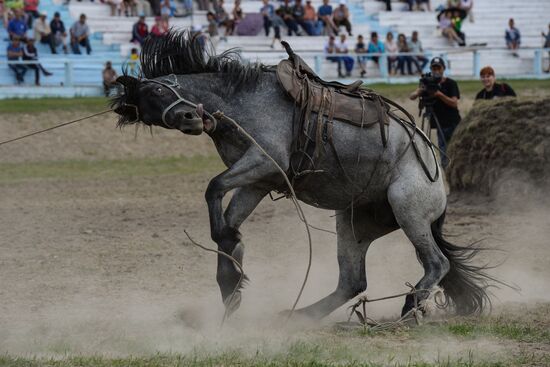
(331, 48)
(547, 44)
(237, 14)
(375, 47)
(116, 7)
(491, 89)
(325, 14)
(133, 61)
(267, 11)
(140, 31)
(445, 108)
(513, 37)
(58, 31)
(15, 53)
(298, 15)
(17, 27)
(403, 47)
(277, 23)
(361, 48)
(456, 21)
(109, 78)
(446, 27)
(391, 48)
(80, 35)
(30, 53)
(43, 32)
(130, 7)
(212, 25)
(342, 48)
(467, 6)
(288, 18)
(160, 28)
(415, 45)
(222, 17)
(166, 8)
(310, 19)
(341, 17)
(31, 9)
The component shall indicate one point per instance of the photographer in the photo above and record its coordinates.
(439, 96)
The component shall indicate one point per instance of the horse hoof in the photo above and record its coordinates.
(232, 303)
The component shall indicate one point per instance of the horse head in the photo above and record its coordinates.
(161, 102)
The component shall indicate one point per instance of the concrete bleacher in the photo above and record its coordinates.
(111, 38)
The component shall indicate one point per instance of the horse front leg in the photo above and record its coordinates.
(243, 175)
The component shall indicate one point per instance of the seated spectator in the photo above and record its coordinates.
(547, 44)
(140, 31)
(456, 21)
(513, 37)
(330, 49)
(467, 6)
(31, 9)
(133, 61)
(341, 17)
(403, 47)
(43, 32)
(237, 14)
(375, 47)
(116, 7)
(17, 27)
(30, 53)
(325, 14)
(310, 19)
(267, 11)
(15, 53)
(130, 7)
(277, 23)
(109, 78)
(222, 17)
(160, 27)
(212, 25)
(298, 15)
(288, 18)
(447, 29)
(58, 31)
(80, 35)
(391, 48)
(361, 48)
(166, 8)
(491, 89)
(342, 48)
(415, 45)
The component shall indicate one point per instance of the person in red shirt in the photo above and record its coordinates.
(160, 28)
(31, 8)
(140, 31)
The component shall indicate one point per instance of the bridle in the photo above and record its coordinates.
(171, 82)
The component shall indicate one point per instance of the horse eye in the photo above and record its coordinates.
(159, 89)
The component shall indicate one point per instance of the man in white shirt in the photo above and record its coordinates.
(43, 32)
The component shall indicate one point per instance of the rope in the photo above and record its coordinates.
(54, 127)
(219, 115)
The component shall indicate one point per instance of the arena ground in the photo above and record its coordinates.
(96, 271)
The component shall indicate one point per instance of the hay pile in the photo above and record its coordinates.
(498, 140)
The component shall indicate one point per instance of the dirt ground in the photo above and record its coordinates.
(100, 265)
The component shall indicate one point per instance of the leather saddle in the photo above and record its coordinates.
(351, 103)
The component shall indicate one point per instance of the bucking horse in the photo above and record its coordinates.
(343, 146)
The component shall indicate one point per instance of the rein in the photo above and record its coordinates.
(54, 127)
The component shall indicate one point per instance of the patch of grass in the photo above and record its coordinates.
(53, 104)
(501, 329)
(76, 169)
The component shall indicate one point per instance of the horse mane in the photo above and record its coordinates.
(181, 52)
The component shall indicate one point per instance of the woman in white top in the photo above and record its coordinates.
(390, 46)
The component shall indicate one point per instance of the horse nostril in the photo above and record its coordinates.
(188, 115)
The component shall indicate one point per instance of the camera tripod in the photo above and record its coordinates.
(429, 115)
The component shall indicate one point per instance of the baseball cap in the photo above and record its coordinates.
(437, 61)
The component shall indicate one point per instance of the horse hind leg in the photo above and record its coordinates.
(351, 251)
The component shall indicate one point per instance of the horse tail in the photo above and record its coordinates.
(465, 284)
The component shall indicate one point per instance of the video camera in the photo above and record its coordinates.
(429, 85)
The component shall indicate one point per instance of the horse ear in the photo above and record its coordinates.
(127, 81)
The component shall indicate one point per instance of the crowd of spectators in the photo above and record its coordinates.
(399, 55)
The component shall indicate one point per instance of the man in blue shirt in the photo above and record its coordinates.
(513, 37)
(325, 14)
(375, 46)
(17, 27)
(267, 11)
(15, 53)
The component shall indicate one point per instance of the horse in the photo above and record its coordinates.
(375, 186)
